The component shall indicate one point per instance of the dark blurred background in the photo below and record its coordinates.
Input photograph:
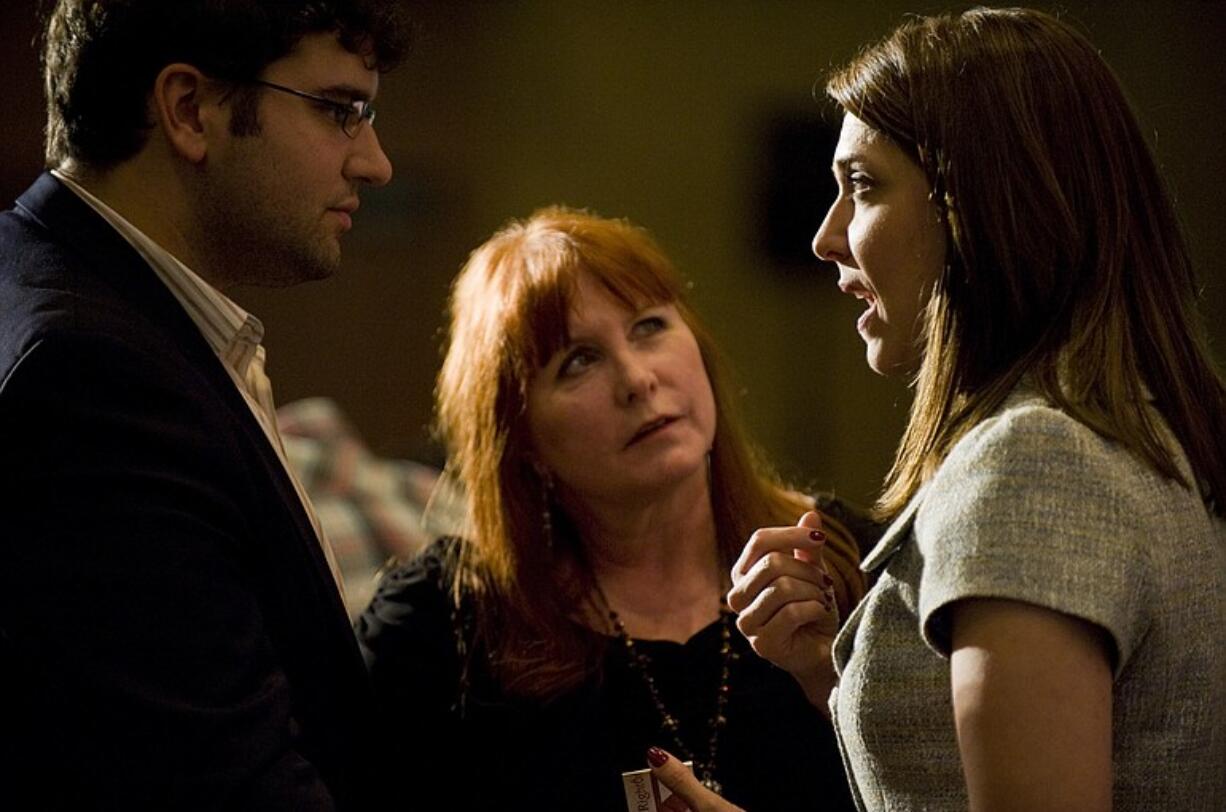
(695, 118)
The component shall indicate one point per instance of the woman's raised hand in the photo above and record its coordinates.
(784, 599)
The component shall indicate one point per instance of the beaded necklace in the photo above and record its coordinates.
(640, 662)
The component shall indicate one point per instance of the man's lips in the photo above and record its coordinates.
(650, 427)
(345, 212)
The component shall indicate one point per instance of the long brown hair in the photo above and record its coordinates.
(1065, 262)
(509, 310)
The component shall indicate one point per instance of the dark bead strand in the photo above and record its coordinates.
(705, 769)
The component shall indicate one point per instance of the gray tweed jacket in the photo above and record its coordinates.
(1033, 506)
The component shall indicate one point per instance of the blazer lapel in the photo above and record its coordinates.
(895, 534)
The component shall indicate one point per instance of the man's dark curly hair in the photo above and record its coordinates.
(100, 59)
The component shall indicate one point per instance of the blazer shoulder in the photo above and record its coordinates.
(91, 285)
(1026, 430)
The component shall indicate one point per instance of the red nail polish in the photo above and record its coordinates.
(817, 535)
(656, 757)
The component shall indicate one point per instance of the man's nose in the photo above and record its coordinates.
(368, 163)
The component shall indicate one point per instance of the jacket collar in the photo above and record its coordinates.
(895, 534)
(111, 261)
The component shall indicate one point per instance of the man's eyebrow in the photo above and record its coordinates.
(346, 91)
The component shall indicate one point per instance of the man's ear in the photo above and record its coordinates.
(187, 109)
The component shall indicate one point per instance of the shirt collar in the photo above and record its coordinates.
(232, 332)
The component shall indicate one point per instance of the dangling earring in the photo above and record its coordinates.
(546, 508)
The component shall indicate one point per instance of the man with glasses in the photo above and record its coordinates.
(172, 632)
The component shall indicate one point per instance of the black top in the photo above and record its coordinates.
(488, 751)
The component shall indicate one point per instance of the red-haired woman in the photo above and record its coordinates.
(581, 618)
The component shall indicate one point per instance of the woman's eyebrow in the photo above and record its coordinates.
(843, 163)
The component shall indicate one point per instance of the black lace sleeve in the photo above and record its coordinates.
(408, 638)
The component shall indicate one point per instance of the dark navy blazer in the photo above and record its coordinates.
(170, 634)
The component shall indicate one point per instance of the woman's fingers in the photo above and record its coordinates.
(812, 521)
(688, 791)
(785, 601)
(774, 567)
(766, 540)
(779, 596)
(797, 638)
(775, 639)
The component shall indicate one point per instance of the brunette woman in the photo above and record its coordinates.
(1046, 629)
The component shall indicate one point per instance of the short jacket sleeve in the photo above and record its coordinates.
(1034, 506)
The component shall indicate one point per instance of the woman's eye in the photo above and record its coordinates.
(576, 362)
(859, 182)
(649, 325)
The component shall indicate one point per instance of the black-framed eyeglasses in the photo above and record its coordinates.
(349, 115)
